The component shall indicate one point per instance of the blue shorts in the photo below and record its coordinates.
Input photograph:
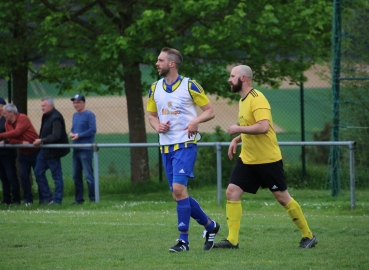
(179, 165)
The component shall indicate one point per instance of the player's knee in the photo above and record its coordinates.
(283, 197)
(233, 193)
(179, 192)
(228, 193)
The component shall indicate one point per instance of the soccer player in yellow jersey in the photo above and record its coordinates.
(260, 162)
(172, 111)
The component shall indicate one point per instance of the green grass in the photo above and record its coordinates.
(134, 231)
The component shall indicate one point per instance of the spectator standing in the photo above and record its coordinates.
(8, 168)
(172, 111)
(19, 130)
(83, 131)
(52, 131)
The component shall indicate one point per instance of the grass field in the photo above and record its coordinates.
(129, 231)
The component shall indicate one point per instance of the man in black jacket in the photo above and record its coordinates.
(8, 169)
(52, 132)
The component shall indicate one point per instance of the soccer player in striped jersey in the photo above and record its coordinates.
(260, 162)
(172, 111)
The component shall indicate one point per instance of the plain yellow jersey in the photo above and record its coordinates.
(260, 148)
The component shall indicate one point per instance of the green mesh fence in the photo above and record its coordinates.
(286, 103)
(350, 91)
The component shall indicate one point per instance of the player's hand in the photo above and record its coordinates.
(232, 149)
(164, 127)
(233, 129)
(192, 129)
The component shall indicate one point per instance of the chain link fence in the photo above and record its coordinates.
(300, 112)
(350, 91)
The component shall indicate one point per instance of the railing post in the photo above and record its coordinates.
(352, 175)
(219, 172)
(96, 172)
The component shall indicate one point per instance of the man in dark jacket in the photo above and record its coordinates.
(8, 169)
(52, 132)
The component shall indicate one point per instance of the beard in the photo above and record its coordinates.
(164, 71)
(235, 88)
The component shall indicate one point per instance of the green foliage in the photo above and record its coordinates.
(206, 164)
(210, 34)
(353, 99)
(315, 177)
(19, 37)
(320, 154)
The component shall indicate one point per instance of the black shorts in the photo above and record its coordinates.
(251, 177)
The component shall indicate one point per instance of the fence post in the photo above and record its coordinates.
(219, 172)
(352, 175)
(336, 64)
(96, 172)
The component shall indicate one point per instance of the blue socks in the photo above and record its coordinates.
(197, 213)
(186, 209)
(184, 215)
(210, 226)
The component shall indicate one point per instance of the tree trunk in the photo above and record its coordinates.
(136, 119)
(20, 83)
(20, 67)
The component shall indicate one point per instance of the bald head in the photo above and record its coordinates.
(241, 79)
(244, 70)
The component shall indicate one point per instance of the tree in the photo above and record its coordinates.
(19, 44)
(103, 43)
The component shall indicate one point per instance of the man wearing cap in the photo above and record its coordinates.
(52, 132)
(19, 130)
(83, 131)
(8, 169)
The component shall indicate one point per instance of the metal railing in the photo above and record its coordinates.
(218, 145)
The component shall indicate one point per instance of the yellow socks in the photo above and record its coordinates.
(233, 213)
(294, 211)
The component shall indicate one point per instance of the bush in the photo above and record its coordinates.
(320, 154)
(206, 171)
(315, 177)
(206, 164)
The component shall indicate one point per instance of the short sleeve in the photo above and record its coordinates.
(151, 104)
(197, 93)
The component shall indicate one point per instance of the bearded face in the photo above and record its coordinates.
(235, 88)
(163, 71)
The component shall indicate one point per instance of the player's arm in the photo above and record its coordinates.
(154, 120)
(233, 146)
(155, 123)
(206, 115)
(201, 100)
(260, 127)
